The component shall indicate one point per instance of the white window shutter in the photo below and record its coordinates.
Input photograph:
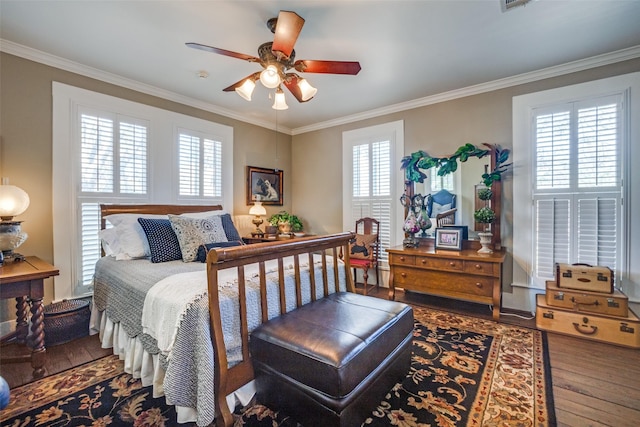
(552, 237)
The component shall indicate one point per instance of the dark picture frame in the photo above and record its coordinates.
(264, 185)
(449, 238)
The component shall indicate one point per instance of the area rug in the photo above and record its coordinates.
(465, 371)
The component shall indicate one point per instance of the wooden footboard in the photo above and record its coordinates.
(228, 379)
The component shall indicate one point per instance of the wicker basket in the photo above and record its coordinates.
(65, 321)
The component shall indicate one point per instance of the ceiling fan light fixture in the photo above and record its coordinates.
(306, 89)
(279, 103)
(246, 89)
(270, 77)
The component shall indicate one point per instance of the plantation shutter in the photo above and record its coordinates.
(371, 187)
(200, 165)
(113, 167)
(577, 185)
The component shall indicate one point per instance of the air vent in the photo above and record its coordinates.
(510, 4)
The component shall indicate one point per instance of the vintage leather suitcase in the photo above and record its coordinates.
(584, 277)
(624, 331)
(615, 304)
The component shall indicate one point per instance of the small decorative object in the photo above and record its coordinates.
(13, 202)
(449, 238)
(420, 206)
(286, 223)
(485, 215)
(257, 209)
(410, 225)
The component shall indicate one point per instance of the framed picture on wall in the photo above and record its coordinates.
(449, 238)
(264, 185)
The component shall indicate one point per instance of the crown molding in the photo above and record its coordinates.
(94, 73)
(545, 73)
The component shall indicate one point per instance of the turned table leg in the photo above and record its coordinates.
(22, 327)
(38, 350)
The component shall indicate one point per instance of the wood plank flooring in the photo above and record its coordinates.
(594, 384)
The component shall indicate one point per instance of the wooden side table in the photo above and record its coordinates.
(271, 238)
(24, 281)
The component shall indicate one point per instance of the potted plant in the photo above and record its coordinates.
(286, 222)
(485, 215)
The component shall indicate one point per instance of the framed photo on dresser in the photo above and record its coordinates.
(449, 238)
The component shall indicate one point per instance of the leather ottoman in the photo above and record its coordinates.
(331, 362)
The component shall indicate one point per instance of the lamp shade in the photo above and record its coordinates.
(306, 89)
(270, 77)
(246, 89)
(13, 201)
(279, 103)
(257, 209)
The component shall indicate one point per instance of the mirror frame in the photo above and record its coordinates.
(415, 163)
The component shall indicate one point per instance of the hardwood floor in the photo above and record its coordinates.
(594, 384)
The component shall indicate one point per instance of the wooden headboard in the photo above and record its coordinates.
(109, 209)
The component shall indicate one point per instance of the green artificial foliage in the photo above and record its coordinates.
(484, 215)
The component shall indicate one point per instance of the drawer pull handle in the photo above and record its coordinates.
(478, 285)
(587, 330)
(403, 274)
(452, 264)
(401, 258)
(424, 261)
(478, 266)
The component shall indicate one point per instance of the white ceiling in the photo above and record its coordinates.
(409, 50)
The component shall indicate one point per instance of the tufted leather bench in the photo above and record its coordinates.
(331, 362)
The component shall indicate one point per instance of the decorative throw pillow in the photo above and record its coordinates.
(193, 232)
(362, 246)
(163, 241)
(203, 250)
(131, 241)
(438, 209)
(230, 228)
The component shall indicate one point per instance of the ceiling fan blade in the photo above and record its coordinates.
(223, 52)
(254, 76)
(287, 30)
(329, 67)
(291, 82)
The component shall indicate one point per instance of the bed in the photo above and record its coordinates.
(183, 327)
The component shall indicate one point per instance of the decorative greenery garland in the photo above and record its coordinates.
(414, 162)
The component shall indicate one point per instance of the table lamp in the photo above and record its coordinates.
(13, 202)
(257, 209)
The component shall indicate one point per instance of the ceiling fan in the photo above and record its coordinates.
(277, 57)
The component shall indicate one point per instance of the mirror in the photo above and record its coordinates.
(470, 165)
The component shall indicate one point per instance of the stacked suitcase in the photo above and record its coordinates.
(583, 302)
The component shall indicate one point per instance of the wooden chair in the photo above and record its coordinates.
(446, 218)
(365, 250)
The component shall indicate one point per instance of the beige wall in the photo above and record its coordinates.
(26, 153)
(311, 162)
(438, 129)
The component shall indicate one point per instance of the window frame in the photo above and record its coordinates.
(162, 173)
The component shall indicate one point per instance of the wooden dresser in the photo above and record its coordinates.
(465, 275)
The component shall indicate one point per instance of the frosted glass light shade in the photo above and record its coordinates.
(306, 89)
(13, 201)
(257, 209)
(246, 89)
(279, 102)
(270, 77)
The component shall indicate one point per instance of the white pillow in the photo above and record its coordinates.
(206, 214)
(109, 240)
(131, 241)
(437, 208)
(193, 232)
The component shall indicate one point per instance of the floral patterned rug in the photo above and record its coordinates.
(465, 371)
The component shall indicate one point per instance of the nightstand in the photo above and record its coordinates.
(24, 281)
(272, 238)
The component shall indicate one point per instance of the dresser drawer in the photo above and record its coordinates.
(480, 267)
(442, 283)
(402, 259)
(439, 263)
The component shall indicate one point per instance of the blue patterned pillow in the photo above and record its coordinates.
(203, 250)
(163, 241)
(229, 228)
(193, 232)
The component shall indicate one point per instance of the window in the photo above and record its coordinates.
(438, 183)
(572, 163)
(118, 151)
(373, 182)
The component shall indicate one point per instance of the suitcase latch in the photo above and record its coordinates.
(625, 328)
(612, 303)
(559, 296)
(602, 278)
(548, 315)
(567, 274)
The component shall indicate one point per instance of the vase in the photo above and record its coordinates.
(424, 222)
(284, 228)
(485, 241)
(411, 228)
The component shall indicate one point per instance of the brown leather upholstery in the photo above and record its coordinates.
(331, 362)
